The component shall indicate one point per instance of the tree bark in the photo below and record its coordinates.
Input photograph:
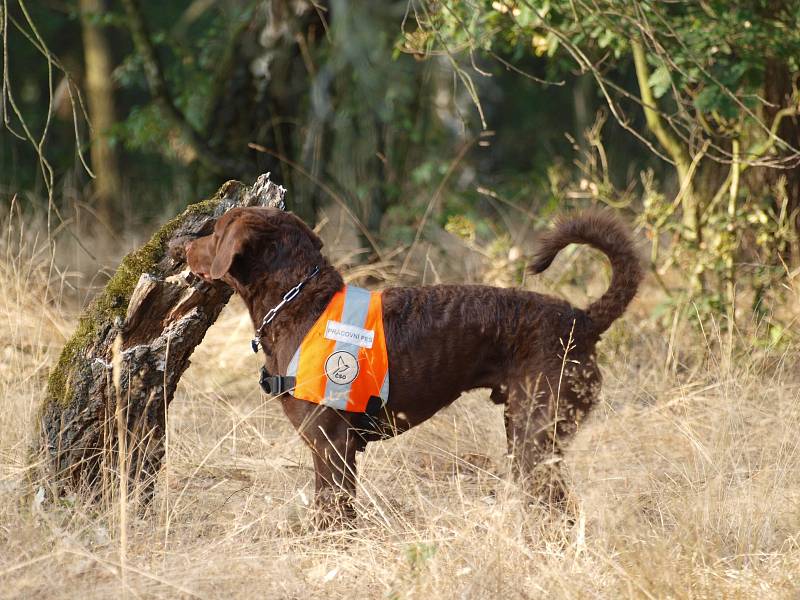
(100, 95)
(128, 352)
(778, 95)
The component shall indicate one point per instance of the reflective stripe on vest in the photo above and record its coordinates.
(342, 361)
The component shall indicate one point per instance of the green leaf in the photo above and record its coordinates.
(660, 80)
(708, 99)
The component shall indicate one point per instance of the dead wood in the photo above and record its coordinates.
(157, 312)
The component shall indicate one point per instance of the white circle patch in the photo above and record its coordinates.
(341, 367)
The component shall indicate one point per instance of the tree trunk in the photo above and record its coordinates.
(130, 349)
(100, 95)
(778, 95)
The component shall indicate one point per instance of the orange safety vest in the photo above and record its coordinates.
(342, 360)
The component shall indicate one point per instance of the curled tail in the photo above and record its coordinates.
(605, 232)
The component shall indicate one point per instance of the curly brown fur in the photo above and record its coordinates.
(536, 353)
(602, 230)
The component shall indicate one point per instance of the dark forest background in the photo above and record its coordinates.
(423, 119)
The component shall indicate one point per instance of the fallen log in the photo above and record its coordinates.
(119, 370)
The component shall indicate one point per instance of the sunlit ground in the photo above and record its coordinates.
(686, 480)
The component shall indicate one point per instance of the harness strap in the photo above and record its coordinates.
(369, 428)
(275, 384)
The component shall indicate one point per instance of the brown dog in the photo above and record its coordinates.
(535, 353)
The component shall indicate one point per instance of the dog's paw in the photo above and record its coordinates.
(334, 510)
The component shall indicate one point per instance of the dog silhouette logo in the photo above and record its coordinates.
(341, 367)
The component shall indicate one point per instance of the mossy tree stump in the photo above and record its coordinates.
(130, 349)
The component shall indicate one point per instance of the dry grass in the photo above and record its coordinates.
(686, 478)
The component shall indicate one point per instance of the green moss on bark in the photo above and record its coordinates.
(113, 301)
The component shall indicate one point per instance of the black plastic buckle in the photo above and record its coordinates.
(374, 405)
(275, 384)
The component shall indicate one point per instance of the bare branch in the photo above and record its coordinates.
(159, 89)
(652, 116)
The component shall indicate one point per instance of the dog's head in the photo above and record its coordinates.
(250, 243)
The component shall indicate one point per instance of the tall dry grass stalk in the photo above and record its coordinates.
(686, 479)
(121, 420)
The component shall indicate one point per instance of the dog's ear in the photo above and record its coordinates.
(230, 243)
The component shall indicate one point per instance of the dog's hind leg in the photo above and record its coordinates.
(537, 429)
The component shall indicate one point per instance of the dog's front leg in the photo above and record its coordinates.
(330, 436)
(335, 479)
